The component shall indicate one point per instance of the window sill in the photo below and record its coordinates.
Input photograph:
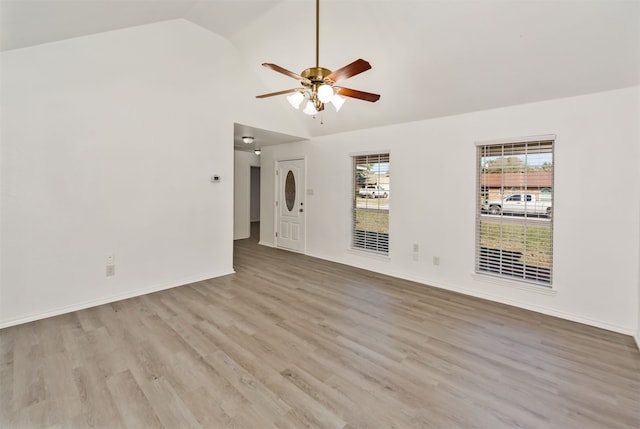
(369, 254)
(529, 287)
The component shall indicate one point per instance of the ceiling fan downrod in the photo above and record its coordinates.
(317, 33)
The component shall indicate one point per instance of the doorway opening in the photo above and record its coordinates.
(254, 204)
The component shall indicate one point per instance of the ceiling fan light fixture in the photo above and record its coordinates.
(318, 82)
(310, 109)
(247, 139)
(337, 102)
(295, 99)
(325, 93)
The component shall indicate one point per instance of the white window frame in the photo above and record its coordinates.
(371, 243)
(499, 264)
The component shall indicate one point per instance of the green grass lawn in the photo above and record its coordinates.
(373, 220)
(533, 241)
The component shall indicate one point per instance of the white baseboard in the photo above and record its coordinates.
(503, 300)
(537, 308)
(544, 310)
(113, 298)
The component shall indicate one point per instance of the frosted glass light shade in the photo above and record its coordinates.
(310, 109)
(295, 99)
(325, 93)
(337, 102)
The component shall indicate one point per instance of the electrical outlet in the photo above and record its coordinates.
(110, 259)
(436, 260)
(416, 247)
(111, 270)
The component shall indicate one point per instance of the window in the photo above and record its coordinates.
(371, 203)
(514, 227)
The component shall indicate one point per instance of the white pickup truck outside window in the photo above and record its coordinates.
(519, 204)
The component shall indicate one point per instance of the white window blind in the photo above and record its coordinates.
(514, 229)
(370, 213)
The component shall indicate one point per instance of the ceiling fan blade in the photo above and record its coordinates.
(356, 67)
(354, 93)
(271, 94)
(286, 72)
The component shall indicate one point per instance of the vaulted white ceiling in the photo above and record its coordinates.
(429, 58)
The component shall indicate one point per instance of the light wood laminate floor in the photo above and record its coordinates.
(292, 341)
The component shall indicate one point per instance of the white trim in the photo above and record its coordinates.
(516, 283)
(496, 298)
(526, 139)
(113, 298)
(537, 308)
(370, 152)
(369, 254)
(275, 208)
(513, 281)
(291, 158)
(353, 200)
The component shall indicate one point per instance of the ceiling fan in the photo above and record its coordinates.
(318, 83)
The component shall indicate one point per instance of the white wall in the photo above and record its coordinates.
(107, 146)
(242, 193)
(596, 248)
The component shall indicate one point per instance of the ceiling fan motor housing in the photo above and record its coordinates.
(317, 75)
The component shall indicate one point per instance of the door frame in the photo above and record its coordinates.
(303, 198)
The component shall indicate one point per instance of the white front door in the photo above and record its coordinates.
(290, 205)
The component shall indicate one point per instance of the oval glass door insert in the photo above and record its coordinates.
(290, 190)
